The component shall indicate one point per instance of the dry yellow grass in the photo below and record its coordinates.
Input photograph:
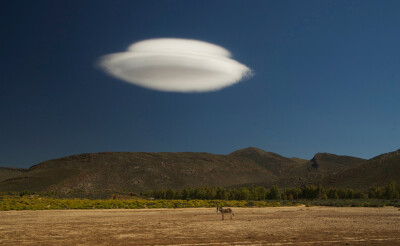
(203, 226)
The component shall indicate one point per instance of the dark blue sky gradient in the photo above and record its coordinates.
(327, 79)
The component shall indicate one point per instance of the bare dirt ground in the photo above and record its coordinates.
(203, 226)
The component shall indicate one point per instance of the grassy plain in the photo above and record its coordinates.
(296, 225)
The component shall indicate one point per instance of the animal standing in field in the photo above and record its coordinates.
(224, 211)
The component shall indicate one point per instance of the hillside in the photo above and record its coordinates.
(9, 172)
(376, 171)
(276, 164)
(302, 172)
(137, 171)
(129, 171)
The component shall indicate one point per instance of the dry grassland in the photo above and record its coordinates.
(203, 226)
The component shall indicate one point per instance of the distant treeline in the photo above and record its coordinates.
(259, 193)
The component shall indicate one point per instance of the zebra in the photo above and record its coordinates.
(225, 211)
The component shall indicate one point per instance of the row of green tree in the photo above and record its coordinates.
(259, 193)
(389, 191)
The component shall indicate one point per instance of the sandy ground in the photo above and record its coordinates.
(203, 226)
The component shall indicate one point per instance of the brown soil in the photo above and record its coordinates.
(203, 226)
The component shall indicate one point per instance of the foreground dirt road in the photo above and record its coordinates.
(203, 226)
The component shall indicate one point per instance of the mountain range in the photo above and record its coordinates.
(141, 171)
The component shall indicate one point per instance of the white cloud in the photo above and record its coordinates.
(180, 65)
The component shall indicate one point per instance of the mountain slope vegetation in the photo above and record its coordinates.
(9, 172)
(140, 171)
(137, 171)
(376, 171)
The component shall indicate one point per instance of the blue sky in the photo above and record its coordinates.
(327, 79)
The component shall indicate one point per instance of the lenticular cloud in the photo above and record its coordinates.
(180, 65)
